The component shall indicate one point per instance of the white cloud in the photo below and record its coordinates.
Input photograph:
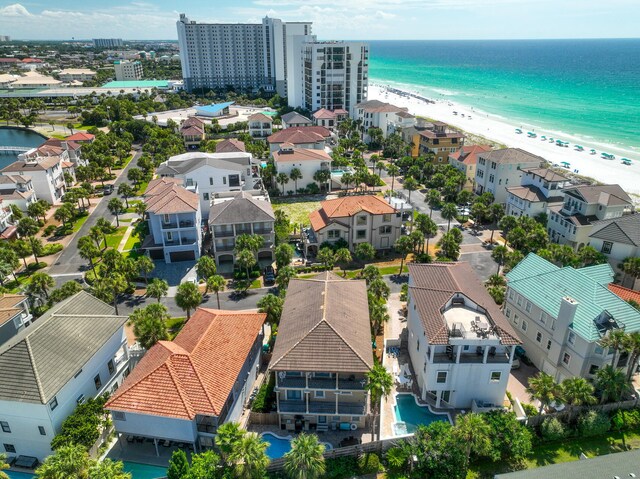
(15, 10)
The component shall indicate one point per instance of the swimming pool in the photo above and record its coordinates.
(279, 446)
(409, 415)
(143, 471)
(19, 475)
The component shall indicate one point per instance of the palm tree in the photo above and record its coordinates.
(392, 171)
(471, 429)
(403, 246)
(216, 284)
(499, 254)
(105, 228)
(410, 184)
(544, 388)
(343, 258)
(378, 288)
(426, 226)
(157, 288)
(116, 207)
(614, 341)
(108, 469)
(227, 438)
(305, 460)
(346, 179)
(295, 174)
(577, 392)
(631, 267)
(250, 457)
(188, 297)
(206, 267)
(3, 466)
(285, 274)
(611, 383)
(272, 306)
(496, 211)
(149, 324)
(631, 345)
(145, 266)
(449, 212)
(321, 176)
(89, 251)
(41, 283)
(433, 200)
(379, 384)
(68, 461)
(282, 179)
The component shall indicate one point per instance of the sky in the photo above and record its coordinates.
(332, 19)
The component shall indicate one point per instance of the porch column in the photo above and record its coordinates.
(336, 411)
(306, 400)
(155, 443)
(431, 353)
(438, 393)
(486, 354)
(512, 353)
(120, 440)
(458, 352)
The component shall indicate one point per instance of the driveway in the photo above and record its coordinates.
(519, 380)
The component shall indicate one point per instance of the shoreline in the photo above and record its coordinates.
(499, 130)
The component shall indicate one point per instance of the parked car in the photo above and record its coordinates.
(107, 190)
(269, 275)
(515, 364)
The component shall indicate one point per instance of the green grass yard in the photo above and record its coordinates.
(113, 240)
(297, 209)
(174, 325)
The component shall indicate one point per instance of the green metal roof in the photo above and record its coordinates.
(545, 285)
(137, 84)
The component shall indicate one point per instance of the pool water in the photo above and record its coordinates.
(144, 471)
(19, 475)
(279, 446)
(410, 415)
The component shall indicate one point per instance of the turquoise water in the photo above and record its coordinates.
(17, 137)
(586, 88)
(279, 446)
(407, 411)
(18, 475)
(144, 471)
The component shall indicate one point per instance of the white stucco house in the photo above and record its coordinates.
(306, 160)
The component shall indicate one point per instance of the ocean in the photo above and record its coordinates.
(585, 88)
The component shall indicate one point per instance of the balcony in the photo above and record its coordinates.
(322, 383)
(225, 247)
(181, 241)
(263, 231)
(223, 233)
(296, 382)
(352, 408)
(352, 384)
(322, 407)
(293, 406)
(243, 231)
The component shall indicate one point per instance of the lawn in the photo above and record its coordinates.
(132, 205)
(142, 187)
(77, 224)
(113, 240)
(174, 325)
(120, 166)
(137, 235)
(297, 209)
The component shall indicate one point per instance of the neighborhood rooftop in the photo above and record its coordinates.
(166, 196)
(243, 208)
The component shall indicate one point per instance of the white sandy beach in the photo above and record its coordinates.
(489, 126)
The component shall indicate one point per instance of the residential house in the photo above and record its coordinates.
(14, 315)
(498, 169)
(213, 173)
(46, 174)
(294, 119)
(309, 137)
(17, 190)
(461, 345)
(174, 221)
(617, 238)
(69, 75)
(306, 160)
(465, 160)
(322, 355)
(72, 150)
(329, 119)
(378, 114)
(355, 219)
(241, 215)
(8, 229)
(81, 137)
(260, 125)
(539, 190)
(183, 390)
(572, 222)
(75, 351)
(439, 142)
(562, 314)
(230, 145)
(193, 132)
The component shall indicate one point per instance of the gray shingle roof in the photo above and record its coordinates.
(324, 327)
(295, 117)
(41, 359)
(236, 161)
(511, 155)
(625, 229)
(609, 195)
(243, 208)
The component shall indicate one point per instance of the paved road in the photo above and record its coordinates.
(69, 265)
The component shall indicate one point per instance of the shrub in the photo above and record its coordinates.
(593, 423)
(313, 188)
(529, 409)
(83, 426)
(340, 467)
(404, 292)
(265, 397)
(397, 458)
(369, 463)
(553, 430)
(51, 249)
(48, 231)
(31, 267)
(422, 258)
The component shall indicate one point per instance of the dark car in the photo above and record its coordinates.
(107, 190)
(269, 275)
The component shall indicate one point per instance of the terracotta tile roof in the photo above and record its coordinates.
(324, 327)
(230, 146)
(300, 154)
(9, 306)
(432, 287)
(324, 114)
(625, 293)
(468, 155)
(43, 164)
(260, 117)
(166, 196)
(299, 135)
(332, 210)
(46, 149)
(72, 145)
(81, 136)
(196, 372)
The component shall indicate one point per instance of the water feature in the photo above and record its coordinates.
(17, 137)
(19, 475)
(279, 446)
(144, 471)
(409, 415)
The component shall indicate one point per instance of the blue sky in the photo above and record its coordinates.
(333, 19)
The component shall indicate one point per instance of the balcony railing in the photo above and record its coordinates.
(322, 383)
(354, 384)
(225, 247)
(322, 407)
(292, 382)
(207, 428)
(263, 231)
(169, 226)
(222, 234)
(182, 241)
(243, 231)
(293, 406)
(352, 408)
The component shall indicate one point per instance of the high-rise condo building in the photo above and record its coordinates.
(107, 42)
(243, 55)
(128, 71)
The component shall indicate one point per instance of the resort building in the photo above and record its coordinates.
(174, 221)
(230, 145)
(572, 222)
(617, 238)
(17, 190)
(193, 132)
(499, 169)
(212, 173)
(107, 42)
(45, 172)
(461, 345)
(322, 355)
(539, 190)
(294, 119)
(76, 74)
(465, 159)
(183, 390)
(561, 314)
(355, 219)
(32, 80)
(308, 137)
(214, 110)
(127, 70)
(378, 114)
(8, 229)
(260, 125)
(330, 118)
(439, 142)
(240, 215)
(307, 161)
(75, 351)
(261, 53)
(14, 315)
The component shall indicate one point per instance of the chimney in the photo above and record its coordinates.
(568, 307)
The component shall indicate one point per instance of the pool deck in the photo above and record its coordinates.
(143, 453)
(332, 437)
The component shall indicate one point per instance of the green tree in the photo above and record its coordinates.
(65, 291)
(149, 324)
(471, 429)
(370, 273)
(157, 288)
(506, 224)
(403, 247)
(109, 288)
(322, 177)
(611, 382)
(630, 267)
(285, 274)
(135, 175)
(38, 209)
(205, 465)
(282, 179)
(249, 457)
(614, 341)
(379, 384)
(145, 265)
(116, 207)
(433, 200)
(326, 257)
(245, 260)
(284, 255)
(510, 439)
(499, 255)
(449, 212)
(68, 462)
(295, 174)
(426, 226)
(305, 460)
(364, 252)
(271, 305)
(577, 392)
(227, 439)
(631, 345)
(3, 466)
(27, 227)
(216, 284)
(392, 171)
(379, 288)
(542, 387)
(41, 283)
(206, 267)
(126, 191)
(178, 465)
(450, 246)
(496, 212)
(343, 258)
(188, 297)
(108, 469)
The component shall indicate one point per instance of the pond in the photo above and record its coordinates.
(17, 137)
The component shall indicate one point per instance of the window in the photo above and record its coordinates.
(111, 367)
(333, 234)
(606, 247)
(294, 395)
(593, 369)
(386, 217)
(165, 219)
(97, 381)
(205, 196)
(543, 317)
(571, 339)
(224, 180)
(210, 181)
(42, 431)
(510, 294)
(5, 426)
(54, 403)
(519, 300)
(507, 313)
(361, 220)
(566, 358)
(385, 230)
(527, 307)
(515, 319)
(10, 448)
(599, 350)
(441, 377)
(322, 419)
(361, 234)
(319, 394)
(169, 236)
(418, 345)
(539, 336)
(495, 376)
(119, 415)
(524, 325)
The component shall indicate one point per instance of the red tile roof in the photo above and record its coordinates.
(166, 196)
(81, 136)
(196, 372)
(299, 135)
(348, 206)
(230, 146)
(469, 154)
(625, 293)
(300, 154)
(72, 145)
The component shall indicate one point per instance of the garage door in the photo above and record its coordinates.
(225, 258)
(182, 256)
(265, 255)
(156, 254)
